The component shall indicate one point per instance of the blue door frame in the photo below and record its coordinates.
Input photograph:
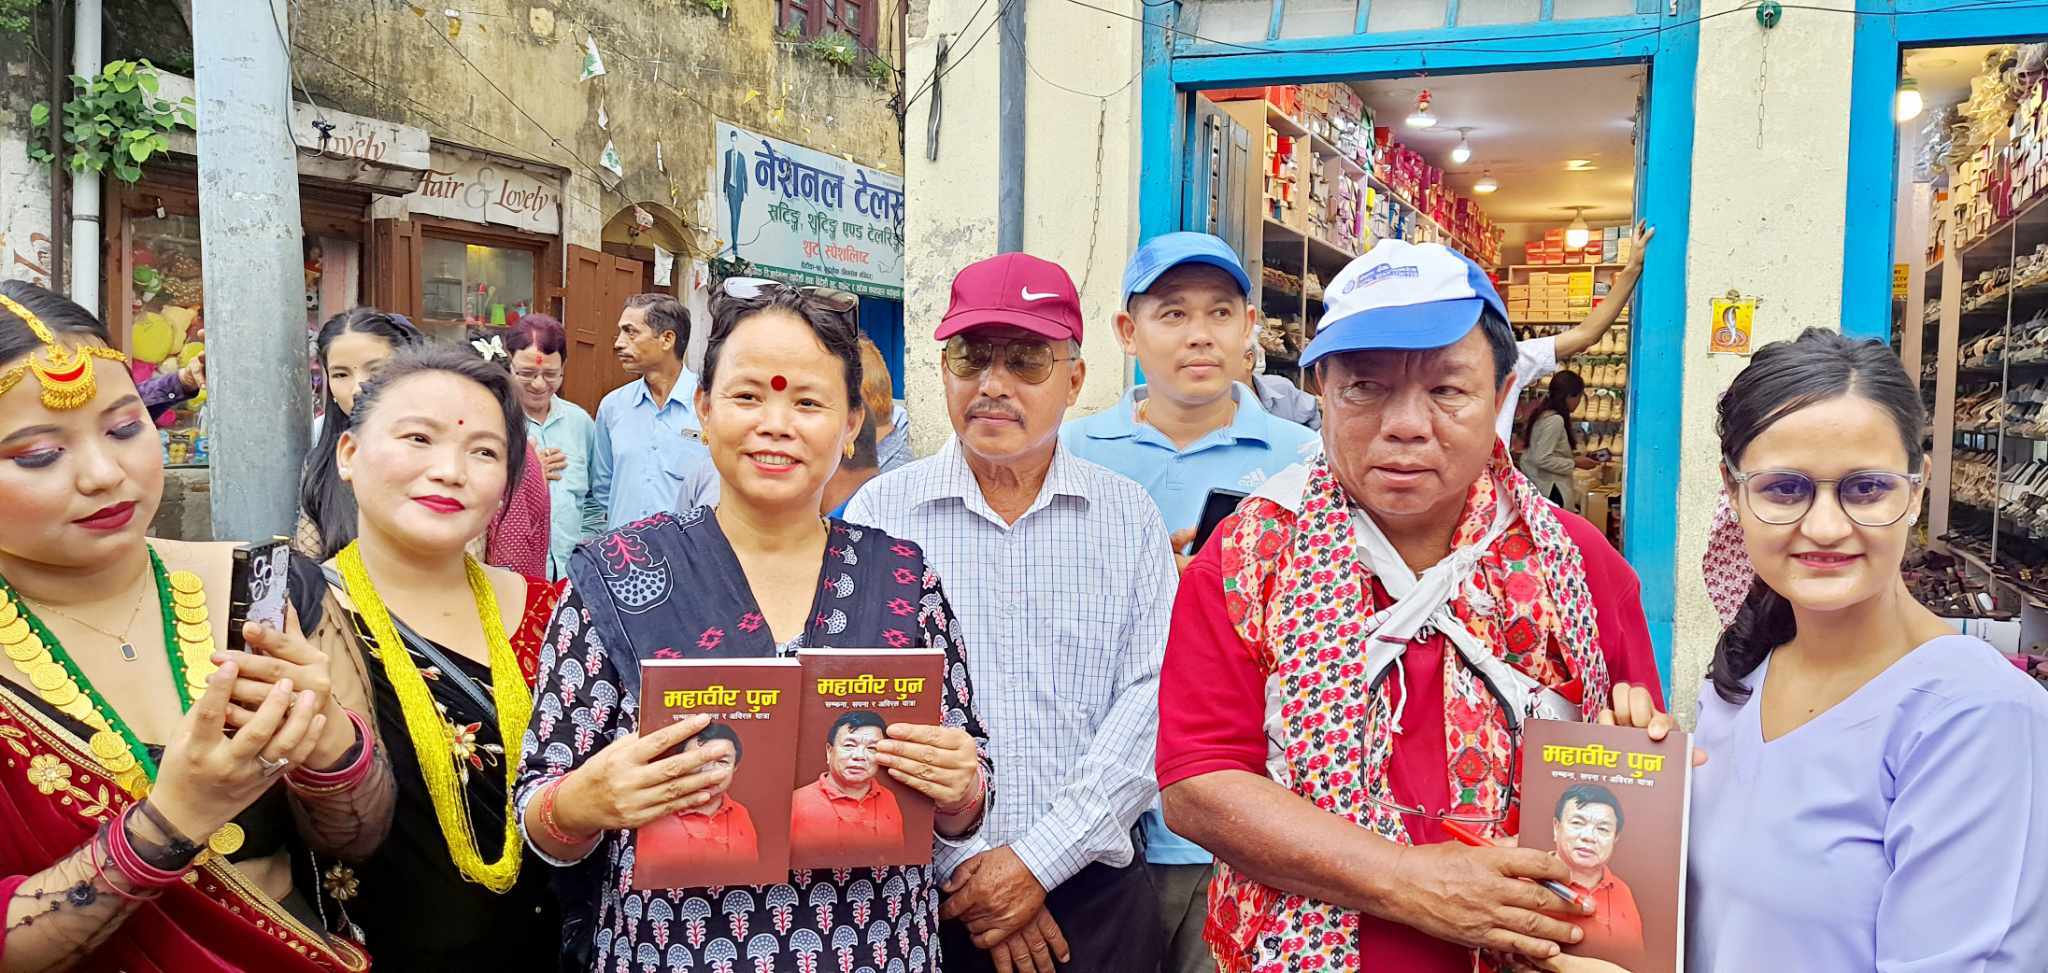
(1667, 39)
(1884, 29)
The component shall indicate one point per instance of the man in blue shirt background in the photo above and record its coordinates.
(648, 439)
(1191, 429)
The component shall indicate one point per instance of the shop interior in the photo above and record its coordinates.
(1530, 173)
(1970, 290)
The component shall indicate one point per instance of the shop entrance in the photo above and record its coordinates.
(1287, 123)
(1970, 320)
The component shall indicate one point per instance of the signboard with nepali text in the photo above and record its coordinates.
(802, 216)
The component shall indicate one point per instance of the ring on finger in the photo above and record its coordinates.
(272, 768)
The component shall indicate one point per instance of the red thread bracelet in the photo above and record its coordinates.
(546, 797)
(980, 791)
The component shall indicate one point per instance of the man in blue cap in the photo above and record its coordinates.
(1351, 661)
(1189, 430)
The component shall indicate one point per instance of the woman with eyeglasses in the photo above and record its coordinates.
(759, 575)
(1876, 790)
(560, 431)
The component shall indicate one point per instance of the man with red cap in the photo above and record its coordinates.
(1063, 580)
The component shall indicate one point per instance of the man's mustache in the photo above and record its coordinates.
(990, 407)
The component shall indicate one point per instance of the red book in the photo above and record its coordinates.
(742, 838)
(847, 811)
(1614, 807)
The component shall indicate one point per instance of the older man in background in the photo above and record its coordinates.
(1062, 576)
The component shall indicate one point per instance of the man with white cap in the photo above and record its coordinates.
(1349, 666)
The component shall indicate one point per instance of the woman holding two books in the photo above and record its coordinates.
(760, 575)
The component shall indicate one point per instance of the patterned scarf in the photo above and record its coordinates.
(1299, 591)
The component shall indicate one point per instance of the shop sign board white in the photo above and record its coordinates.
(801, 215)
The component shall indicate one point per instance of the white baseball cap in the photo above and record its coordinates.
(1402, 296)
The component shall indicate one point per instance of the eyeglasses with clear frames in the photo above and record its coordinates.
(1869, 498)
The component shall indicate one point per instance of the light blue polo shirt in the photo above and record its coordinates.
(1239, 456)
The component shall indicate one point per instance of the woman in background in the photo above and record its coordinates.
(1553, 459)
(353, 346)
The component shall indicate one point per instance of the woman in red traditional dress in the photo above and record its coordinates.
(159, 800)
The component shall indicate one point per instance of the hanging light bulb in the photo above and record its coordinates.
(1909, 100)
(1463, 153)
(1485, 184)
(1576, 235)
(1422, 117)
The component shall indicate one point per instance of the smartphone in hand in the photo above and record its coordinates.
(1218, 505)
(259, 588)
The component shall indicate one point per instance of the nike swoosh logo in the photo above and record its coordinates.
(1036, 297)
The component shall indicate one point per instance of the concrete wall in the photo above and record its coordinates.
(1080, 208)
(1767, 219)
(672, 69)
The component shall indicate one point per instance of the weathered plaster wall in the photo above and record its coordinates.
(672, 70)
(1080, 168)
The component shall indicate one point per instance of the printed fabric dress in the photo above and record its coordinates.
(669, 587)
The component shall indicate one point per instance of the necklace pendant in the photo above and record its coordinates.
(128, 651)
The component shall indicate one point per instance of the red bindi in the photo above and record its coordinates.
(778, 383)
(458, 422)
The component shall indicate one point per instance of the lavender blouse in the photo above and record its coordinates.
(1906, 829)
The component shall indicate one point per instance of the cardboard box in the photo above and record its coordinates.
(1518, 292)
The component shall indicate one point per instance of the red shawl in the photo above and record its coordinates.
(53, 797)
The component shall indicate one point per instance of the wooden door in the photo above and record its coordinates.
(395, 267)
(598, 286)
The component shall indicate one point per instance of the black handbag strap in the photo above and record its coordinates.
(435, 656)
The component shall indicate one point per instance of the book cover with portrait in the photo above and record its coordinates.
(847, 811)
(741, 836)
(1613, 806)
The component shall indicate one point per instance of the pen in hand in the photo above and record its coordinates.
(1467, 836)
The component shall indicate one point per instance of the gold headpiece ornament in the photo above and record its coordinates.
(65, 373)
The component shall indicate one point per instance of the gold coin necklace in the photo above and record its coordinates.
(55, 676)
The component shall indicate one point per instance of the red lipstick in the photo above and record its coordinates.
(109, 518)
(440, 504)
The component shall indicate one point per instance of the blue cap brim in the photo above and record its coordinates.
(1416, 327)
(1144, 282)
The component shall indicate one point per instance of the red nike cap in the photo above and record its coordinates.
(1016, 289)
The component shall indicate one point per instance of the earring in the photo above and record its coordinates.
(849, 450)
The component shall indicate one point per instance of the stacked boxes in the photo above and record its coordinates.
(1282, 177)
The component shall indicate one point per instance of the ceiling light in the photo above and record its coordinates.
(1422, 118)
(1485, 184)
(1909, 100)
(1463, 153)
(1576, 235)
(1580, 165)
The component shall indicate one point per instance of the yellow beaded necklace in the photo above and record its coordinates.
(429, 731)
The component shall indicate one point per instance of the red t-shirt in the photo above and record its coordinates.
(1212, 708)
(824, 821)
(725, 835)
